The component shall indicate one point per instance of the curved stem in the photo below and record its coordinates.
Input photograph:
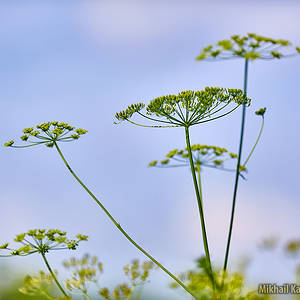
(258, 138)
(53, 276)
(237, 170)
(119, 226)
(199, 200)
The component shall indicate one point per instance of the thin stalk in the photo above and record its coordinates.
(199, 200)
(258, 138)
(119, 226)
(199, 184)
(53, 276)
(237, 169)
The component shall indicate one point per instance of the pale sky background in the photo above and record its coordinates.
(83, 61)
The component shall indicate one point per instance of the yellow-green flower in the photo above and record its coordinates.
(186, 108)
(250, 47)
(48, 134)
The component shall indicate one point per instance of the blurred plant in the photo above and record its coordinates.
(137, 274)
(186, 109)
(85, 278)
(233, 286)
(42, 241)
(268, 243)
(291, 248)
(203, 156)
(249, 48)
(52, 132)
(85, 271)
(40, 285)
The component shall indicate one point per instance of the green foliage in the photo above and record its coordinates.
(228, 286)
(250, 47)
(38, 285)
(84, 278)
(48, 134)
(187, 108)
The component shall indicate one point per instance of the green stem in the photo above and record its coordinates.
(119, 226)
(258, 138)
(52, 274)
(199, 183)
(237, 169)
(199, 200)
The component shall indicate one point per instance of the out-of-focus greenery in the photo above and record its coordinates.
(84, 281)
(228, 286)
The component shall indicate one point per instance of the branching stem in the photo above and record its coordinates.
(258, 138)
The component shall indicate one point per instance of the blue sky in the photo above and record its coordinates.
(81, 62)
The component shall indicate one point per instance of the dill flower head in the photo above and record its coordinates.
(39, 285)
(261, 112)
(233, 286)
(137, 274)
(85, 270)
(293, 247)
(250, 47)
(42, 241)
(48, 134)
(203, 156)
(186, 108)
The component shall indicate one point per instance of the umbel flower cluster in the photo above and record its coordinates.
(250, 47)
(85, 271)
(42, 241)
(39, 285)
(49, 133)
(203, 156)
(233, 286)
(186, 108)
(137, 273)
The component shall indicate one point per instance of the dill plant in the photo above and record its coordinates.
(42, 241)
(49, 134)
(84, 280)
(250, 47)
(186, 109)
